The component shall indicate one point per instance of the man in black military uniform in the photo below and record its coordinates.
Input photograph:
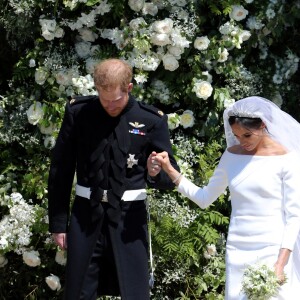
(108, 141)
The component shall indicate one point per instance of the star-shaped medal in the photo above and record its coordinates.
(131, 161)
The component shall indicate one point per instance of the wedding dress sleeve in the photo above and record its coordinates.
(291, 188)
(206, 195)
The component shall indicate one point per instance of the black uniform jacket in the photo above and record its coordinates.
(107, 153)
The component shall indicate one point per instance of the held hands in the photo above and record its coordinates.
(153, 165)
(156, 161)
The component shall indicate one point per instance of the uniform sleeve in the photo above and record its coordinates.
(160, 141)
(206, 195)
(291, 184)
(61, 175)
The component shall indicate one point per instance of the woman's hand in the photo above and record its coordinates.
(163, 159)
(282, 260)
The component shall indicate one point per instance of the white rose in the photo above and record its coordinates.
(201, 43)
(187, 119)
(49, 142)
(61, 258)
(87, 35)
(238, 12)
(83, 49)
(135, 24)
(228, 102)
(163, 26)
(53, 282)
(136, 5)
(32, 258)
(59, 32)
(175, 50)
(35, 113)
(47, 129)
(211, 249)
(160, 39)
(62, 78)
(48, 24)
(170, 62)
(90, 64)
(173, 121)
(203, 89)
(223, 55)
(244, 35)
(150, 9)
(32, 63)
(208, 76)
(3, 261)
(41, 75)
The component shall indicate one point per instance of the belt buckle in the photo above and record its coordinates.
(104, 196)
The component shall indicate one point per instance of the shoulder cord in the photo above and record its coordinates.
(151, 279)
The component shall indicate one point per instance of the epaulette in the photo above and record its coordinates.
(80, 99)
(152, 109)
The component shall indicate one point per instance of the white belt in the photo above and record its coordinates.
(130, 195)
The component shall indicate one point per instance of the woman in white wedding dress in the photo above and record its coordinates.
(261, 168)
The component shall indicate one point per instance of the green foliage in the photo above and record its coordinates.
(46, 66)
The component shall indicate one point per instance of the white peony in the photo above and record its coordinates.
(53, 282)
(187, 119)
(238, 12)
(170, 62)
(203, 89)
(35, 113)
(31, 258)
(201, 43)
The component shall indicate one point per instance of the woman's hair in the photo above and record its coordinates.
(249, 123)
(112, 73)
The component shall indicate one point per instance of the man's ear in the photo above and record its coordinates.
(130, 86)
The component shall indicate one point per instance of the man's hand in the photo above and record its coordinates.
(153, 166)
(60, 239)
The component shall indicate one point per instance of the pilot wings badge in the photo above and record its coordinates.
(136, 124)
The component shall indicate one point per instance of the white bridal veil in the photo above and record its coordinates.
(281, 126)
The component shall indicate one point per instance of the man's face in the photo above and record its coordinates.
(114, 100)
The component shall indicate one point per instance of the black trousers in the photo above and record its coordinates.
(102, 255)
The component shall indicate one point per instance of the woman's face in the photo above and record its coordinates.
(249, 139)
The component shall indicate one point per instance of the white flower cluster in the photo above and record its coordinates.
(285, 68)
(234, 34)
(260, 282)
(168, 39)
(15, 228)
(50, 29)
